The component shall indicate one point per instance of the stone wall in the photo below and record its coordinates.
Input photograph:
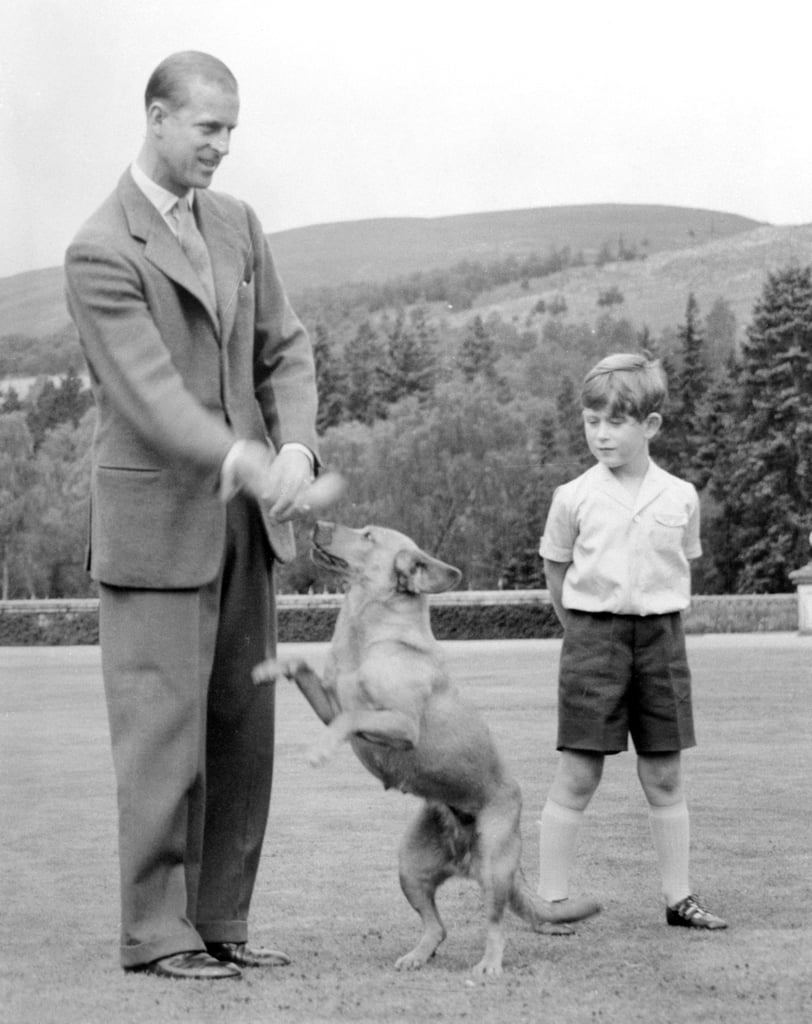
(475, 615)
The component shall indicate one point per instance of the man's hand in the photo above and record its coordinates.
(278, 482)
(244, 469)
(284, 484)
(287, 479)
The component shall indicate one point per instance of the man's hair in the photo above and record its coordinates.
(627, 384)
(169, 81)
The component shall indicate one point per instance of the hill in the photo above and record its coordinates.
(655, 291)
(32, 303)
(378, 250)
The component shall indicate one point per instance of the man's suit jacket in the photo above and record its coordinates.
(176, 383)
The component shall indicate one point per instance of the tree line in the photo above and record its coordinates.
(459, 435)
(457, 286)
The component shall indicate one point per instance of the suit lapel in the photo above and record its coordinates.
(230, 259)
(160, 245)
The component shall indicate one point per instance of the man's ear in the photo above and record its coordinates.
(419, 573)
(156, 115)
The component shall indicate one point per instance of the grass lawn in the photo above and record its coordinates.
(328, 891)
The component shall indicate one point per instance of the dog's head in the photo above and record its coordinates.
(383, 560)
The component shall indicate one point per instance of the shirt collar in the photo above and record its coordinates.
(650, 486)
(161, 198)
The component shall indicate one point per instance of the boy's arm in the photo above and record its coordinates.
(554, 573)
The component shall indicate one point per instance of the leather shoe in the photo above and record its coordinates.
(197, 965)
(243, 955)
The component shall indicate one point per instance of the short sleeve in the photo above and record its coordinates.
(693, 545)
(558, 539)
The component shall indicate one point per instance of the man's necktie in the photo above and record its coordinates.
(192, 243)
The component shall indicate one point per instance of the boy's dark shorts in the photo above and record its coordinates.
(622, 674)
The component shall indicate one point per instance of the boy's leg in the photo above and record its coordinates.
(577, 778)
(661, 778)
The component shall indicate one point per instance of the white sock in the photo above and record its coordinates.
(559, 834)
(670, 830)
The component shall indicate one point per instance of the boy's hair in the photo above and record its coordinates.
(627, 384)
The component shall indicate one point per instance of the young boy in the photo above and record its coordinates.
(616, 547)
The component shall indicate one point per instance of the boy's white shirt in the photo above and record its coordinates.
(629, 555)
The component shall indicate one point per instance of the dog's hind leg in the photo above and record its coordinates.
(498, 850)
(425, 862)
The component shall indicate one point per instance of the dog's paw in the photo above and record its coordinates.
(487, 968)
(410, 962)
(266, 671)
(320, 753)
(548, 928)
(274, 668)
(269, 671)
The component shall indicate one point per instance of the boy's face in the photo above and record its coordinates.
(619, 441)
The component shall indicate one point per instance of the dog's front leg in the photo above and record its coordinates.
(392, 729)
(337, 731)
(320, 699)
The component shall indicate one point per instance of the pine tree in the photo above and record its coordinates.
(11, 401)
(720, 333)
(330, 381)
(570, 424)
(363, 358)
(547, 439)
(711, 472)
(17, 477)
(771, 479)
(410, 362)
(73, 399)
(693, 379)
(676, 446)
(477, 352)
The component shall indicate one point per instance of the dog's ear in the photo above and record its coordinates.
(419, 573)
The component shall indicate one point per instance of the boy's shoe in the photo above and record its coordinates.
(689, 913)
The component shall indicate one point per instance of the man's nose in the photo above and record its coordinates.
(221, 143)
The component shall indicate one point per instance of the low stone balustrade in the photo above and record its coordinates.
(459, 615)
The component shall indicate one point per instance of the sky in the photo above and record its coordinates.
(354, 109)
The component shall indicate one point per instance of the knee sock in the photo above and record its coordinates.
(559, 835)
(670, 830)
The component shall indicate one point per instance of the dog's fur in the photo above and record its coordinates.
(386, 690)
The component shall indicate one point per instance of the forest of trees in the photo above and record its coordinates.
(459, 435)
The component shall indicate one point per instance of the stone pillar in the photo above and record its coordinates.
(802, 578)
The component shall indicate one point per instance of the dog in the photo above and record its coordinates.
(386, 690)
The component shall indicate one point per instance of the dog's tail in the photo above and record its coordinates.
(525, 904)
(542, 916)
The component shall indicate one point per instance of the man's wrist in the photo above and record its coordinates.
(228, 475)
(296, 446)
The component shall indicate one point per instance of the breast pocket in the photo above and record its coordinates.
(668, 530)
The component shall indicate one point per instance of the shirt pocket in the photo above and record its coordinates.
(668, 530)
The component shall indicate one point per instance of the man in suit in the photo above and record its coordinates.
(204, 448)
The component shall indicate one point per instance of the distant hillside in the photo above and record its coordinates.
(655, 291)
(376, 250)
(33, 303)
